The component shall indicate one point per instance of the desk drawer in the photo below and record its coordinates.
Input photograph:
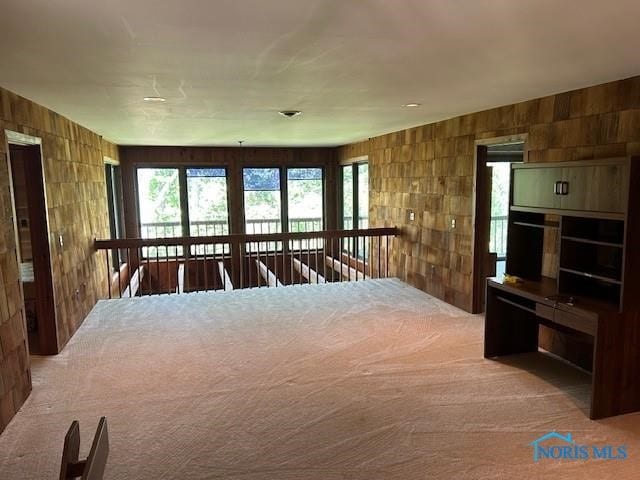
(581, 323)
(577, 322)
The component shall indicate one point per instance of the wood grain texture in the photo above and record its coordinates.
(429, 169)
(72, 159)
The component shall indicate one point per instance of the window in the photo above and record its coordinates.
(159, 202)
(262, 201)
(305, 199)
(355, 205)
(347, 197)
(176, 202)
(114, 204)
(305, 204)
(207, 201)
(363, 195)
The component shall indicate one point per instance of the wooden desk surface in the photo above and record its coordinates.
(543, 290)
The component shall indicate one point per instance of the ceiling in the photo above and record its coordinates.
(226, 67)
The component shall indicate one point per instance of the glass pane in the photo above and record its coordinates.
(304, 174)
(113, 183)
(362, 251)
(208, 211)
(262, 212)
(347, 197)
(206, 172)
(159, 204)
(501, 177)
(363, 195)
(262, 206)
(261, 179)
(305, 202)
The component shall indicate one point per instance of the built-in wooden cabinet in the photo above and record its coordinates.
(598, 186)
(596, 295)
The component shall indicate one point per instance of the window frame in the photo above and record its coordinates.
(355, 198)
(284, 192)
(186, 194)
(182, 191)
(323, 180)
(115, 210)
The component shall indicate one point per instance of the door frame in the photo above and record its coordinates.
(45, 305)
(479, 199)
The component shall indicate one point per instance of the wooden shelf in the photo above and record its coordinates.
(538, 225)
(573, 213)
(591, 275)
(592, 242)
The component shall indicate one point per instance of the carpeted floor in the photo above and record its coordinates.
(367, 380)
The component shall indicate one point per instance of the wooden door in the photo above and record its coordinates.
(598, 188)
(535, 187)
(482, 259)
(46, 340)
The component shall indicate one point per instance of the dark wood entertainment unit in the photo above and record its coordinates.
(595, 207)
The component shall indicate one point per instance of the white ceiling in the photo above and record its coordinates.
(227, 66)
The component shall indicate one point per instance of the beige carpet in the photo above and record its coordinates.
(368, 380)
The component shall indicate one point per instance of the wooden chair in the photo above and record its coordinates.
(93, 467)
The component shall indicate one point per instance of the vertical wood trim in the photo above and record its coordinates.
(480, 222)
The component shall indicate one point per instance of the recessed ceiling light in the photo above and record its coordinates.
(155, 99)
(290, 113)
(411, 105)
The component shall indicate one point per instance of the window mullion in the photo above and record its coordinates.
(356, 200)
(184, 201)
(284, 199)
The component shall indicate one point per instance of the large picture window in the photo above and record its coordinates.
(193, 201)
(176, 202)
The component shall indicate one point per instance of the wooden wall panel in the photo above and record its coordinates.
(429, 169)
(76, 199)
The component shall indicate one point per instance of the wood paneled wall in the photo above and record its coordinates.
(430, 169)
(234, 159)
(72, 159)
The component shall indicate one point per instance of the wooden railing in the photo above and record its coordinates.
(498, 236)
(225, 262)
(220, 227)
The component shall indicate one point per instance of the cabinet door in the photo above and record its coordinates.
(534, 187)
(597, 188)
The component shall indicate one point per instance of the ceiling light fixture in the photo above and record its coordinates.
(155, 99)
(411, 105)
(290, 113)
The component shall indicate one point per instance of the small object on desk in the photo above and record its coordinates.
(559, 298)
(511, 279)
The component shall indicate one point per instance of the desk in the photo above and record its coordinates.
(515, 311)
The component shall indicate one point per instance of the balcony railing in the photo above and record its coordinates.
(220, 227)
(498, 236)
(227, 262)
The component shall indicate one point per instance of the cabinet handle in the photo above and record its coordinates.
(556, 187)
(565, 188)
